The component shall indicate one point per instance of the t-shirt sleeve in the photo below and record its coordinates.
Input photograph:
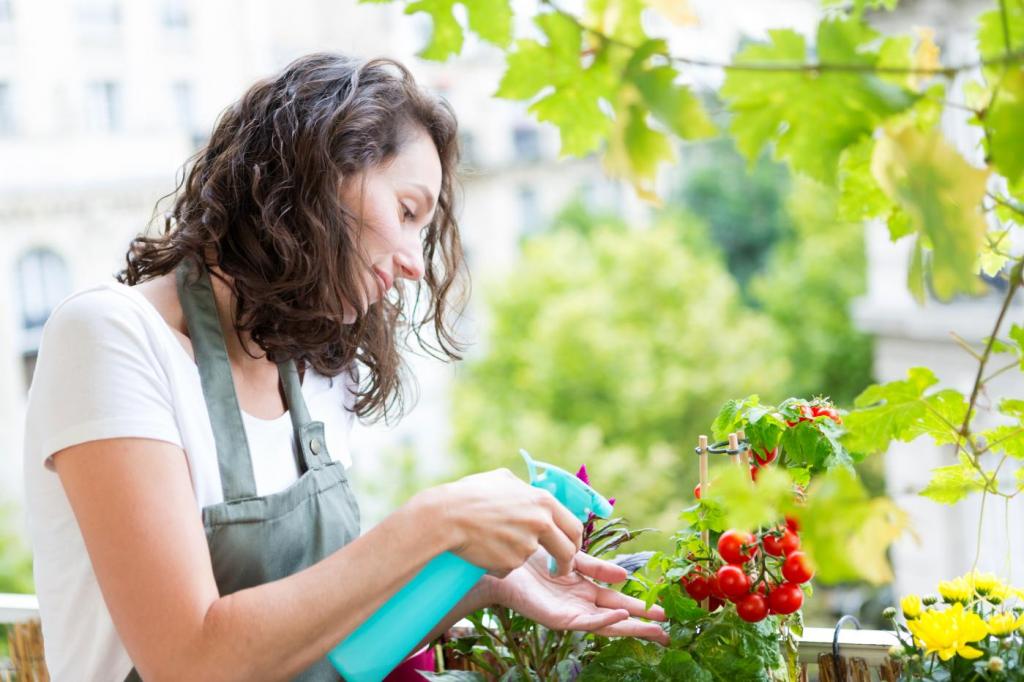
(98, 376)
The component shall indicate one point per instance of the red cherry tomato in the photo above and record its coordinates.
(716, 589)
(797, 568)
(753, 472)
(786, 598)
(696, 491)
(715, 603)
(733, 581)
(790, 542)
(764, 457)
(698, 587)
(736, 546)
(793, 524)
(773, 543)
(806, 413)
(752, 608)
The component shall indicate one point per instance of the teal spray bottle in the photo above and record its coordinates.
(389, 635)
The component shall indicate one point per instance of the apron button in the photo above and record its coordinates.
(314, 445)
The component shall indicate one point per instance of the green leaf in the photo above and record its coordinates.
(573, 102)
(678, 606)
(991, 37)
(950, 484)
(846, 533)
(680, 665)
(737, 650)
(1008, 439)
(627, 659)
(942, 194)
(730, 417)
(446, 38)
(748, 505)
(1004, 124)
(491, 20)
(810, 115)
(901, 410)
(673, 103)
(635, 150)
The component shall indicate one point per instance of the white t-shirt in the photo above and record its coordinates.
(109, 366)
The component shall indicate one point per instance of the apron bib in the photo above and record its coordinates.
(254, 540)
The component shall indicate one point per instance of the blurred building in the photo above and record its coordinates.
(908, 335)
(102, 101)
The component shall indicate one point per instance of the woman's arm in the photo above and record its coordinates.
(135, 506)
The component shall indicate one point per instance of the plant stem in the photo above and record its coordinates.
(981, 519)
(814, 68)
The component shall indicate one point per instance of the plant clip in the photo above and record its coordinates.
(722, 448)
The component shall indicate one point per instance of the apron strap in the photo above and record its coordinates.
(309, 435)
(199, 305)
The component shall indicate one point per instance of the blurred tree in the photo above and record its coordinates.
(15, 558)
(614, 350)
(807, 287)
(744, 206)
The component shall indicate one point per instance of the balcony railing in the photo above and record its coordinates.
(863, 654)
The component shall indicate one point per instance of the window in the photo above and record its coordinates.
(6, 110)
(98, 14)
(174, 15)
(525, 144)
(42, 283)
(529, 211)
(103, 107)
(182, 95)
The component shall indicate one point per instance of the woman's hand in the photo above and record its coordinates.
(575, 602)
(499, 522)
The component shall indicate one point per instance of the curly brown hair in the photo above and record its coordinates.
(263, 198)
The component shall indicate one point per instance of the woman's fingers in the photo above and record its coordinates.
(565, 520)
(598, 569)
(560, 548)
(635, 628)
(599, 619)
(610, 599)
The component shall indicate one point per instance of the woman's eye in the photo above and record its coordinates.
(406, 213)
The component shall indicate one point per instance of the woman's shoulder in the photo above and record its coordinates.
(104, 310)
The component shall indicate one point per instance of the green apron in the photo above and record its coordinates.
(254, 540)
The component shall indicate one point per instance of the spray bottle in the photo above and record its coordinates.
(389, 635)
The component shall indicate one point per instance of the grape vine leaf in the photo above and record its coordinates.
(489, 19)
(811, 114)
(570, 92)
(942, 194)
(1004, 123)
(950, 484)
(902, 410)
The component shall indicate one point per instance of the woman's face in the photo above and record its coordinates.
(392, 204)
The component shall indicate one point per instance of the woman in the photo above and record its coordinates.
(185, 436)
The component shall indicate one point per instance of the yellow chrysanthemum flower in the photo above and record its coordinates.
(956, 590)
(1002, 624)
(949, 632)
(911, 605)
(989, 586)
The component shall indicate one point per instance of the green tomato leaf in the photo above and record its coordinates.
(446, 38)
(737, 650)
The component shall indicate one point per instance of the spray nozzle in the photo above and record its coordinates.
(578, 497)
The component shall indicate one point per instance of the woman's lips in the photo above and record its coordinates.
(385, 281)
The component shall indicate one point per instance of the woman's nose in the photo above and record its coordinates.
(409, 262)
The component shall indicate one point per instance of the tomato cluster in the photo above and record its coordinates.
(818, 408)
(760, 574)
